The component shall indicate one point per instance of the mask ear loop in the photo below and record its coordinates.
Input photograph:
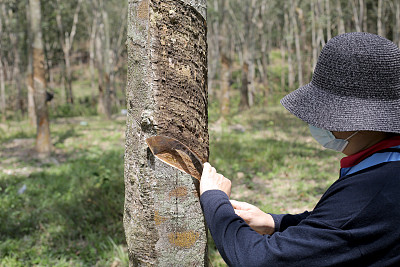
(348, 138)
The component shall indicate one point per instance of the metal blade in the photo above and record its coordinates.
(176, 154)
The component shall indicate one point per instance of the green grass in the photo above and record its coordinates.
(71, 211)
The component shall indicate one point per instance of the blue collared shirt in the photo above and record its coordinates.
(372, 160)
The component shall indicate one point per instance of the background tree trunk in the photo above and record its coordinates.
(166, 95)
(328, 20)
(396, 33)
(29, 77)
(66, 41)
(340, 19)
(92, 41)
(380, 24)
(2, 80)
(29, 81)
(2, 91)
(358, 19)
(225, 87)
(244, 91)
(289, 43)
(106, 60)
(43, 142)
(297, 42)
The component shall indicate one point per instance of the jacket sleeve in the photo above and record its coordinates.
(308, 243)
(283, 221)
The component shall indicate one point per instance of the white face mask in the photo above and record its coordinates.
(328, 140)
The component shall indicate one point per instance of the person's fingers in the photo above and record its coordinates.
(207, 167)
(242, 214)
(240, 205)
(206, 171)
(213, 171)
(239, 212)
(235, 204)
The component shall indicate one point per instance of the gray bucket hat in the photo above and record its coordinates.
(355, 86)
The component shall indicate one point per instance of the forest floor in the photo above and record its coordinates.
(67, 210)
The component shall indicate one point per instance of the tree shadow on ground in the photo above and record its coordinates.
(62, 136)
(66, 210)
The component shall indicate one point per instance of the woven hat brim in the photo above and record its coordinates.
(342, 113)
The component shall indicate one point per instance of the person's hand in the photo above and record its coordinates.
(258, 220)
(211, 180)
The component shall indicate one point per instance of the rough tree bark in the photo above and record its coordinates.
(43, 142)
(166, 95)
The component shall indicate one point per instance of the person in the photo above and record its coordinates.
(352, 105)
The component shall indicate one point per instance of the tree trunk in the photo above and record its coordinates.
(103, 64)
(396, 33)
(328, 20)
(289, 42)
(251, 77)
(364, 14)
(340, 19)
(356, 16)
(66, 41)
(2, 82)
(283, 64)
(16, 73)
(43, 142)
(320, 32)
(68, 73)
(214, 51)
(29, 77)
(101, 106)
(2, 91)
(244, 91)
(92, 41)
(313, 36)
(380, 27)
(107, 68)
(297, 42)
(166, 95)
(225, 78)
(224, 50)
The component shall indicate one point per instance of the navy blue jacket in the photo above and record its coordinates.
(356, 223)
